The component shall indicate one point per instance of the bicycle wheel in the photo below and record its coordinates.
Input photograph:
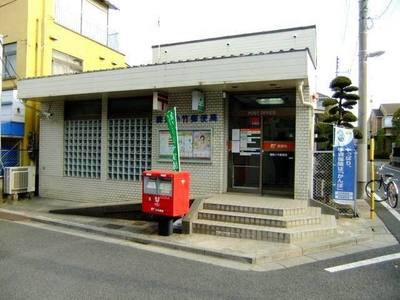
(392, 194)
(377, 186)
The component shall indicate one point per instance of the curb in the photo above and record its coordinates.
(300, 250)
(129, 236)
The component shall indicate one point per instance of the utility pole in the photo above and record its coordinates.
(363, 103)
(337, 66)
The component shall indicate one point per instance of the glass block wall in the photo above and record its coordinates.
(82, 148)
(129, 148)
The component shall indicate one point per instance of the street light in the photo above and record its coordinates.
(375, 54)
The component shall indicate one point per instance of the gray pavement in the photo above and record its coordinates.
(37, 262)
(357, 234)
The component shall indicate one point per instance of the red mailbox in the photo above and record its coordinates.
(165, 193)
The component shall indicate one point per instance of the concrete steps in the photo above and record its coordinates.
(309, 217)
(282, 220)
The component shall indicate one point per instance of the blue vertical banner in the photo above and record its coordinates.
(344, 166)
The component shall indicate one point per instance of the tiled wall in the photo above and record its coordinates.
(208, 178)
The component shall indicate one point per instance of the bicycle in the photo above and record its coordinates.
(386, 185)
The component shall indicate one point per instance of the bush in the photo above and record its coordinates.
(382, 155)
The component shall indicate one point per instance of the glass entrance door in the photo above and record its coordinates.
(278, 154)
(245, 153)
(261, 142)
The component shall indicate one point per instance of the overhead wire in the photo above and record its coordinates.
(383, 12)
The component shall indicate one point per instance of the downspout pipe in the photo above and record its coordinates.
(300, 85)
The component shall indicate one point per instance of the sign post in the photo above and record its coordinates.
(371, 158)
(170, 116)
(344, 167)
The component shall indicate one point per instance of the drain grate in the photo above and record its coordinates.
(113, 226)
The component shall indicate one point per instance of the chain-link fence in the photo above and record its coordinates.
(9, 158)
(322, 181)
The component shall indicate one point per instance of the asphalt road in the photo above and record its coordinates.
(36, 263)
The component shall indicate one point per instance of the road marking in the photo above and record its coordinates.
(391, 168)
(365, 262)
(389, 208)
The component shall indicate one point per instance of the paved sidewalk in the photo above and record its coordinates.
(354, 235)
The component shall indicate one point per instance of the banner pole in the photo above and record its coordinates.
(371, 153)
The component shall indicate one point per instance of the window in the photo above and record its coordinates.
(63, 63)
(68, 13)
(94, 21)
(82, 139)
(10, 61)
(87, 17)
(129, 140)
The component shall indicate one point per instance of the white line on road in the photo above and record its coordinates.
(365, 262)
(392, 169)
(394, 212)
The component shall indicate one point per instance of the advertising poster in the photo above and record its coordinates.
(344, 166)
(186, 143)
(193, 144)
(202, 144)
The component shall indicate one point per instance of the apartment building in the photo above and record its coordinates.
(43, 38)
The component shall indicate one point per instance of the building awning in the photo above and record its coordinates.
(207, 73)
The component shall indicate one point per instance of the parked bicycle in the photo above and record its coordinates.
(384, 184)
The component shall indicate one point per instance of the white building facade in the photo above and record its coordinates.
(254, 134)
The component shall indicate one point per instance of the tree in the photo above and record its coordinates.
(338, 110)
(396, 127)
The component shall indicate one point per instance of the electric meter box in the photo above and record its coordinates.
(165, 193)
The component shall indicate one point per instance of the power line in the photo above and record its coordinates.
(383, 12)
(347, 8)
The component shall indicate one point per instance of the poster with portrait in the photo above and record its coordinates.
(201, 144)
(194, 144)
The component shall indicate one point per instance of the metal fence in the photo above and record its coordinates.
(322, 182)
(10, 158)
(322, 179)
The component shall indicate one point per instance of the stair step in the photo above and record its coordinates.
(267, 233)
(251, 209)
(311, 217)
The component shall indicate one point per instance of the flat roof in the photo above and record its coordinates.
(236, 36)
(209, 72)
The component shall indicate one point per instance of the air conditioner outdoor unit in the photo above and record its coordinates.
(19, 180)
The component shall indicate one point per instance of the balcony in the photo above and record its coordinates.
(87, 19)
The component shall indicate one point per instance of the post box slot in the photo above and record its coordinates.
(150, 185)
(165, 186)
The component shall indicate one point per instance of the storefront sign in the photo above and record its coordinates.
(279, 146)
(344, 166)
(190, 118)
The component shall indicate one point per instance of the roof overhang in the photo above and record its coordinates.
(209, 74)
(109, 4)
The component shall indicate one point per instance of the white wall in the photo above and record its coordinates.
(240, 44)
(12, 109)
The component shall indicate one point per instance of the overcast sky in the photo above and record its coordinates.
(336, 21)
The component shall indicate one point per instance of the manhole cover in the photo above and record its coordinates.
(113, 226)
